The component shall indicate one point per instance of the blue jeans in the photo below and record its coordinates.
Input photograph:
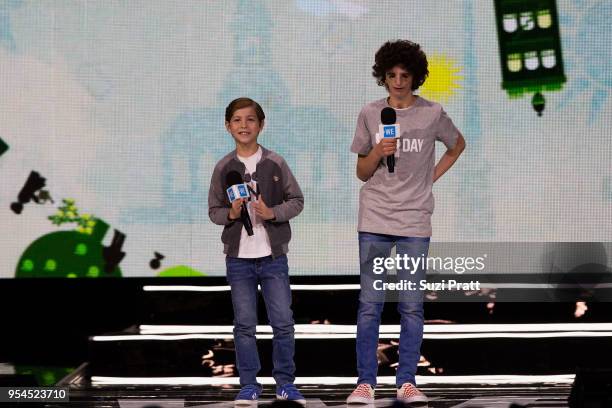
(243, 276)
(371, 302)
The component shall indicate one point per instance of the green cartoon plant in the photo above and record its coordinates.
(77, 253)
(69, 213)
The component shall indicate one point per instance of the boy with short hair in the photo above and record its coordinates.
(260, 258)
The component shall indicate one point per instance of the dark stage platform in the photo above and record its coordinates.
(178, 351)
(441, 396)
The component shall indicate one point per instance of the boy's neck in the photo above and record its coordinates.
(401, 103)
(246, 150)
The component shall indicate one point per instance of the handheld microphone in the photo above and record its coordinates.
(236, 188)
(252, 179)
(390, 129)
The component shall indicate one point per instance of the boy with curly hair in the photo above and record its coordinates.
(395, 208)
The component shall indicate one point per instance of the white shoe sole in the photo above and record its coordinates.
(245, 403)
(301, 402)
(359, 400)
(413, 399)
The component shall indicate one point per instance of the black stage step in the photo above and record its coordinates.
(337, 303)
(329, 350)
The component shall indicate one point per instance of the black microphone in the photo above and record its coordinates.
(233, 178)
(388, 117)
(252, 177)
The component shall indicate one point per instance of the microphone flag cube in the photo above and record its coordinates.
(237, 191)
(389, 131)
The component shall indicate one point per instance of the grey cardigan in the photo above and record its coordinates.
(278, 188)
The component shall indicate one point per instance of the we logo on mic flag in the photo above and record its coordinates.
(237, 191)
(389, 131)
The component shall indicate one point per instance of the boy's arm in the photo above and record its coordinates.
(218, 210)
(294, 199)
(367, 164)
(449, 158)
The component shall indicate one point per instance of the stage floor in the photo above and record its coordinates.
(447, 396)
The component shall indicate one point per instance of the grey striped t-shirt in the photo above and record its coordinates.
(401, 203)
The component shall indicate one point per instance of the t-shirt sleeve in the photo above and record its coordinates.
(446, 131)
(362, 141)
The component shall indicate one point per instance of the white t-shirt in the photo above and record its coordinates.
(258, 244)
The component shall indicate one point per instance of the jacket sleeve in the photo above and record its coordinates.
(293, 198)
(218, 209)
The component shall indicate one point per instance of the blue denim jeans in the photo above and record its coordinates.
(243, 276)
(371, 302)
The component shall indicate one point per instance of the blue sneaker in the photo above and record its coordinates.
(248, 395)
(288, 392)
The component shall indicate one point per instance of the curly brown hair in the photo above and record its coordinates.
(400, 52)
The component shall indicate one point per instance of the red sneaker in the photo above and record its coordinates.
(409, 393)
(363, 394)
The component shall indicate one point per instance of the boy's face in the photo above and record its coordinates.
(398, 82)
(244, 126)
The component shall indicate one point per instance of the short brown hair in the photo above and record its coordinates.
(240, 103)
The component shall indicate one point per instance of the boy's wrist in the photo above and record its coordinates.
(378, 155)
(274, 216)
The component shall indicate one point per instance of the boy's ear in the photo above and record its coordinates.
(261, 124)
(227, 126)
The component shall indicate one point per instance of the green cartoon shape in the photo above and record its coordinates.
(27, 265)
(69, 213)
(93, 272)
(180, 271)
(71, 254)
(50, 265)
(45, 376)
(530, 49)
(3, 147)
(81, 249)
